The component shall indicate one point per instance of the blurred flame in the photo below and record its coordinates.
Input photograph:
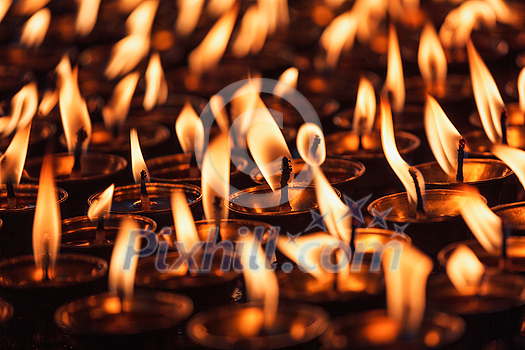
(122, 267)
(215, 179)
(504, 13)
(208, 54)
(35, 29)
(395, 82)
(483, 223)
(442, 136)
(521, 90)
(189, 14)
(48, 102)
(406, 286)
(219, 112)
(339, 34)
(4, 7)
(137, 160)
(432, 61)
(13, 160)
(46, 226)
(117, 109)
(218, 7)
(185, 229)
(252, 34)
(29, 7)
(488, 99)
(126, 6)
(87, 16)
(513, 157)
(156, 85)
(102, 205)
(276, 12)
(23, 108)
(190, 131)
(260, 279)
(306, 136)
(365, 107)
(287, 82)
(465, 270)
(141, 19)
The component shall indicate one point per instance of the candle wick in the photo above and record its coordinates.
(194, 169)
(217, 204)
(100, 235)
(360, 132)
(352, 234)
(503, 119)
(144, 198)
(420, 210)
(11, 197)
(315, 146)
(46, 261)
(77, 166)
(461, 156)
(286, 172)
(336, 270)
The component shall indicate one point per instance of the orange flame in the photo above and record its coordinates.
(465, 270)
(395, 82)
(189, 14)
(87, 16)
(488, 99)
(126, 6)
(117, 109)
(513, 157)
(156, 85)
(365, 107)
(252, 34)
(185, 229)
(46, 226)
(287, 82)
(442, 136)
(102, 205)
(23, 108)
(13, 159)
(190, 131)
(4, 7)
(215, 179)
(332, 39)
(307, 135)
(219, 112)
(137, 160)
(218, 7)
(29, 7)
(276, 12)
(208, 54)
(35, 29)
(521, 90)
(122, 268)
(49, 101)
(432, 61)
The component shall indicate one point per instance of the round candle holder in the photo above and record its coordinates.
(376, 330)
(513, 215)
(226, 328)
(16, 236)
(126, 200)
(79, 233)
(232, 229)
(489, 176)
(98, 172)
(143, 321)
(343, 174)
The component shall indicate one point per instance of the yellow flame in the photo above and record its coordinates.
(339, 34)
(117, 109)
(521, 90)
(465, 270)
(442, 136)
(13, 159)
(395, 82)
(513, 157)
(137, 160)
(189, 14)
(29, 7)
(141, 19)
(219, 112)
(260, 279)
(48, 102)
(432, 61)
(217, 7)
(215, 179)
(370, 14)
(126, 6)
(252, 34)
(190, 131)
(35, 29)
(156, 85)
(287, 82)
(23, 108)
(122, 267)
(185, 229)
(276, 12)
(46, 226)
(102, 205)
(86, 16)
(306, 137)
(483, 223)
(405, 287)
(4, 7)
(73, 108)
(208, 54)
(504, 12)
(365, 107)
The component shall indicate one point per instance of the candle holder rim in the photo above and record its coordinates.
(62, 197)
(247, 222)
(403, 125)
(9, 311)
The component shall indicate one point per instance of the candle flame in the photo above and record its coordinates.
(137, 160)
(101, 206)
(117, 109)
(287, 82)
(190, 131)
(339, 34)
(48, 102)
(465, 270)
(513, 157)
(310, 134)
(189, 14)
(46, 226)
(4, 7)
(395, 82)
(276, 12)
(86, 16)
(13, 159)
(219, 112)
(215, 180)
(29, 7)
(23, 108)
(488, 99)
(35, 29)
(442, 136)
(123, 265)
(217, 7)
(252, 34)
(156, 85)
(432, 61)
(365, 107)
(185, 229)
(521, 90)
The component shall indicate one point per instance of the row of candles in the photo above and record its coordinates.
(326, 263)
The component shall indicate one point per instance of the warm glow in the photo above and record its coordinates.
(35, 29)
(521, 90)
(245, 106)
(395, 82)
(217, 7)
(137, 160)
(465, 270)
(397, 163)
(505, 13)
(310, 138)
(365, 107)
(156, 85)
(101, 206)
(219, 112)
(406, 286)
(126, 6)
(46, 226)
(276, 12)
(252, 34)
(488, 99)
(28, 7)
(189, 14)
(190, 131)
(260, 279)
(208, 54)
(141, 19)
(23, 108)
(122, 267)
(4, 7)
(215, 179)
(48, 102)
(332, 39)
(442, 136)
(73, 108)
(287, 82)
(432, 61)
(513, 157)
(86, 16)
(13, 160)
(382, 331)
(185, 230)
(483, 223)
(117, 109)
(250, 321)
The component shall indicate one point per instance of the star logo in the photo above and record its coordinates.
(355, 208)
(292, 238)
(317, 221)
(399, 230)
(379, 218)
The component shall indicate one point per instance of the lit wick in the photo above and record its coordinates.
(194, 169)
(46, 261)
(336, 271)
(503, 119)
(286, 172)
(360, 128)
(144, 198)
(420, 211)
(77, 166)
(11, 197)
(100, 235)
(217, 205)
(461, 157)
(352, 234)
(315, 146)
